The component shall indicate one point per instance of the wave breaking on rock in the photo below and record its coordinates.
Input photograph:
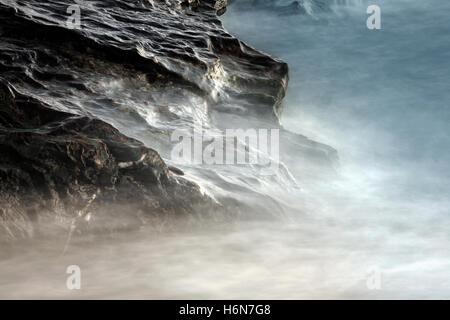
(84, 109)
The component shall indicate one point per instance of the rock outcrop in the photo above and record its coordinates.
(82, 83)
(60, 154)
(56, 165)
(163, 46)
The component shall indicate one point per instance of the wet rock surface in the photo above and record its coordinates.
(53, 164)
(76, 102)
(167, 44)
(58, 158)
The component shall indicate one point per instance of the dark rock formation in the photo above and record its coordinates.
(53, 163)
(167, 45)
(58, 156)
(69, 93)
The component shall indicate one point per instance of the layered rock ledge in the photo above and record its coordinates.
(56, 166)
(69, 96)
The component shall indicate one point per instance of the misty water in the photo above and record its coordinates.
(380, 98)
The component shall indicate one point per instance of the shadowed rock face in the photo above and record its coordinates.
(54, 164)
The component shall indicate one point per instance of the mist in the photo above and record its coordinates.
(378, 97)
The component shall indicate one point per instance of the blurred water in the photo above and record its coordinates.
(380, 97)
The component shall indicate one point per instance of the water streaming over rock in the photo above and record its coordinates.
(109, 95)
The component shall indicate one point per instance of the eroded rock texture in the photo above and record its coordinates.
(77, 99)
(53, 164)
(62, 87)
(155, 46)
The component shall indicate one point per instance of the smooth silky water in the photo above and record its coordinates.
(380, 98)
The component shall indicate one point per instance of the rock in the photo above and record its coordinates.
(168, 48)
(62, 111)
(176, 171)
(58, 148)
(52, 163)
(219, 5)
